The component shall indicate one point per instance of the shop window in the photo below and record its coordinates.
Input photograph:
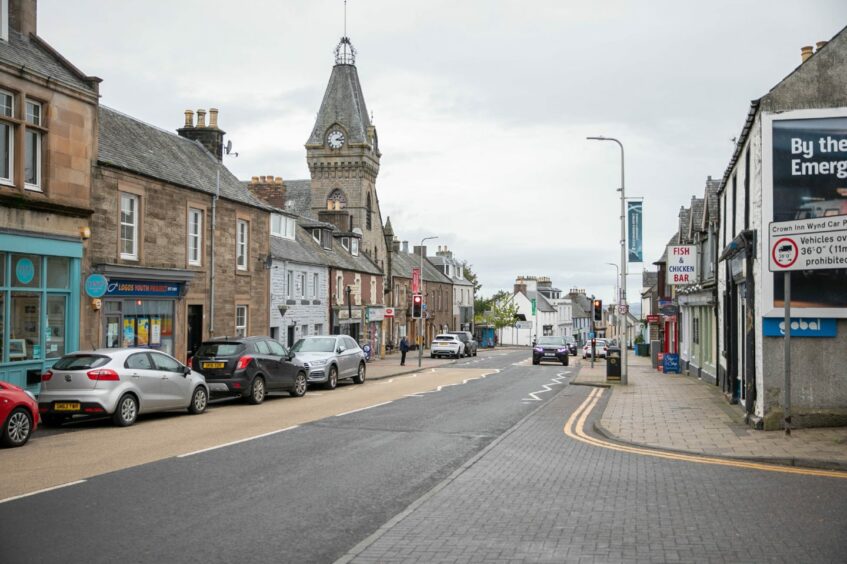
(140, 323)
(2, 269)
(24, 326)
(55, 331)
(241, 321)
(26, 271)
(58, 272)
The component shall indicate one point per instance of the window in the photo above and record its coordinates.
(319, 329)
(129, 226)
(345, 242)
(282, 226)
(4, 20)
(195, 236)
(354, 246)
(289, 284)
(7, 147)
(369, 212)
(373, 290)
(32, 147)
(316, 235)
(339, 288)
(277, 349)
(166, 363)
(336, 200)
(242, 233)
(316, 280)
(301, 282)
(241, 321)
(262, 347)
(139, 361)
(357, 289)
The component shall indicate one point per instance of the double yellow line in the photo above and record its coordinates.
(575, 429)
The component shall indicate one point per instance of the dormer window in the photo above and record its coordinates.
(316, 235)
(282, 226)
(354, 246)
(4, 20)
(345, 242)
(326, 239)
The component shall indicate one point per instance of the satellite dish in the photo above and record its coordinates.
(228, 147)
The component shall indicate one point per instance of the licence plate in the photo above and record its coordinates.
(213, 364)
(549, 354)
(66, 406)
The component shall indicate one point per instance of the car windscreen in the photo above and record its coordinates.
(551, 341)
(325, 344)
(81, 362)
(219, 349)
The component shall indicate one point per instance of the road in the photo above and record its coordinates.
(468, 463)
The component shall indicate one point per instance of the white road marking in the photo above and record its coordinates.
(42, 491)
(363, 408)
(555, 381)
(237, 442)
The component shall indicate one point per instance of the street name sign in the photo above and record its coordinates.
(808, 244)
(682, 264)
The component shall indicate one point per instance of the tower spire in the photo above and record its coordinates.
(345, 53)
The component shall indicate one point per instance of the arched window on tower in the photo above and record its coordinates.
(336, 200)
(369, 212)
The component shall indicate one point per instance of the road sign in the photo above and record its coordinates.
(808, 244)
(416, 280)
(389, 312)
(591, 334)
(623, 309)
(523, 325)
(534, 305)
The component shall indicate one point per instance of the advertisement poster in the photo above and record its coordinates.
(155, 332)
(129, 332)
(142, 331)
(810, 181)
(635, 252)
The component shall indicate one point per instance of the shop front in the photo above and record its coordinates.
(39, 305)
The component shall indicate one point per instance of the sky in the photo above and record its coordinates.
(482, 106)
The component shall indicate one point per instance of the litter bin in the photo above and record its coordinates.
(613, 364)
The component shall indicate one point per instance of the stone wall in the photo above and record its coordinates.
(300, 309)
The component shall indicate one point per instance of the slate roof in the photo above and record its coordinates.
(298, 197)
(649, 279)
(343, 103)
(438, 261)
(696, 216)
(403, 263)
(682, 230)
(302, 249)
(712, 214)
(37, 56)
(133, 145)
(541, 302)
(580, 305)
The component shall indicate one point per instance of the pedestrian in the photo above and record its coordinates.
(404, 348)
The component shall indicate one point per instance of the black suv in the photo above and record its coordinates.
(550, 348)
(467, 338)
(249, 367)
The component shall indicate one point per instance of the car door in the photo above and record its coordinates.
(175, 386)
(354, 355)
(146, 378)
(267, 364)
(287, 369)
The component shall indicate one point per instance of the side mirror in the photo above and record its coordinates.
(290, 356)
(186, 370)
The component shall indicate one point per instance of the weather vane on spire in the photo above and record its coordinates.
(345, 53)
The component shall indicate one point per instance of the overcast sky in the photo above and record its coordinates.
(482, 106)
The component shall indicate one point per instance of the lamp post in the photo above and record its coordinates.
(622, 296)
(617, 293)
(422, 324)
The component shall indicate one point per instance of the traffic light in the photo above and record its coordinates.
(598, 310)
(417, 305)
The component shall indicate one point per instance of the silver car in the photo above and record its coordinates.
(331, 358)
(119, 382)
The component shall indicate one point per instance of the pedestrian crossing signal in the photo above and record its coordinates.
(417, 305)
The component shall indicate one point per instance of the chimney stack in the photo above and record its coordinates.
(210, 137)
(420, 250)
(819, 45)
(23, 16)
(406, 247)
(805, 53)
(269, 189)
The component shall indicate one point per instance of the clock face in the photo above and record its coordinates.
(335, 139)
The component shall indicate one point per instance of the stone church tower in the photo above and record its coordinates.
(343, 157)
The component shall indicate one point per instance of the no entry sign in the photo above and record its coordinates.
(808, 244)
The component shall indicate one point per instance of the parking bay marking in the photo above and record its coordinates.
(237, 442)
(363, 408)
(41, 491)
(575, 429)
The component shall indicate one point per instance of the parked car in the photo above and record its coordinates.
(250, 367)
(572, 346)
(331, 358)
(19, 414)
(122, 383)
(599, 349)
(447, 345)
(550, 348)
(467, 339)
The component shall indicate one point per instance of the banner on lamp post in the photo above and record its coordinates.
(634, 226)
(416, 280)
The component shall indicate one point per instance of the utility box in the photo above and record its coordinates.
(655, 348)
(613, 364)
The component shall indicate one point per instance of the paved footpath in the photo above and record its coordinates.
(537, 495)
(682, 413)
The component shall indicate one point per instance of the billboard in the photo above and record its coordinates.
(635, 252)
(804, 156)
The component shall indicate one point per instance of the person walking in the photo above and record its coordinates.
(404, 348)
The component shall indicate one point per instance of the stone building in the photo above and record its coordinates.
(48, 138)
(463, 289)
(184, 245)
(767, 180)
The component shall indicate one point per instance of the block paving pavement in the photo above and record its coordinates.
(535, 495)
(683, 413)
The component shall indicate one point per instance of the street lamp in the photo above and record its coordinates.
(422, 324)
(622, 296)
(617, 293)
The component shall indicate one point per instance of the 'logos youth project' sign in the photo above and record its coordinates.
(682, 264)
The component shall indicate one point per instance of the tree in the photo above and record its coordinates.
(471, 277)
(499, 310)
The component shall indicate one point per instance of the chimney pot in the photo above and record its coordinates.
(254, 180)
(805, 52)
(201, 118)
(189, 118)
(405, 247)
(820, 45)
(213, 118)
(278, 180)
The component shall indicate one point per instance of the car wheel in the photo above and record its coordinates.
(474, 352)
(126, 412)
(332, 379)
(565, 362)
(300, 385)
(53, 420)
(359, 378)
(199, 401)
(17, 428)
(535, 362)
(257, 391)
(432, 356)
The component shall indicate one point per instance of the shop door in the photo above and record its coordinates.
(195, 329)
(739, 342)
(290, 341)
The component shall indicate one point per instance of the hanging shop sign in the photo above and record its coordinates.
(682, 264)
(96, 285)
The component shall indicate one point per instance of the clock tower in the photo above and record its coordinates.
(343, 157)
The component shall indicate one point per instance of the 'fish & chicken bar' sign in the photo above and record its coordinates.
(682, 264)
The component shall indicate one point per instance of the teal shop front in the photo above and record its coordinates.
(39, 305)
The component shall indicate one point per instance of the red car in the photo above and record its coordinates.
(19, 414)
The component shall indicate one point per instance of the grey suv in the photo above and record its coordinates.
(467, 338)
(330, 358)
